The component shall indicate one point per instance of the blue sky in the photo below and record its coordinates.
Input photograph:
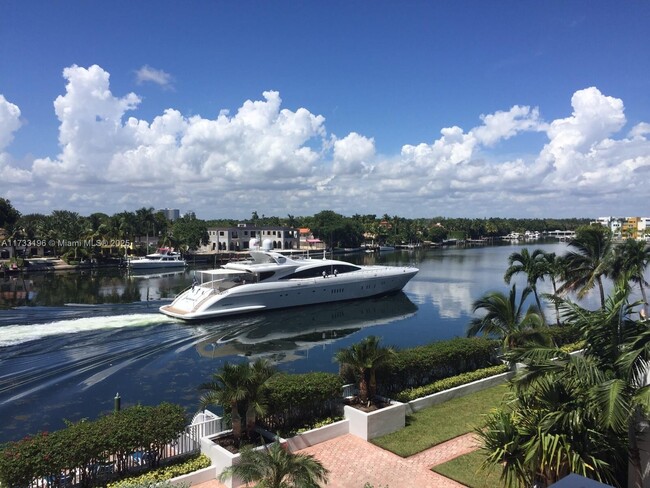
(476, 109)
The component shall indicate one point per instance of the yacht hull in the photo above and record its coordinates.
(202, 303)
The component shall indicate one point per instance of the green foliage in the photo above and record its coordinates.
(562, 335)
(190, 232)
(422, 365)
(451, 382)
(320, 423)
(336, 230)
(83, 444)
(296, 400)
(277, 467)
(160, 475)
(8, 214)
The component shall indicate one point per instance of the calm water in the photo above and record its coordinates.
(65, 357)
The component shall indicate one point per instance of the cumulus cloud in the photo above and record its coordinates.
(147, 74)
(9, 122)
(353, 154)
(266, 157)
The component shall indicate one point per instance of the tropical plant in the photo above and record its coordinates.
(632, 258)
(239, 387)
(275, 467)
(532, 265)
(364, 358)
(553, 267)
(504, 318)
(572, 413)
(228, 389)
(588, 262)
(256, 400)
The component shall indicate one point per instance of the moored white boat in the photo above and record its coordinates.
(164, 258)
(270, 280)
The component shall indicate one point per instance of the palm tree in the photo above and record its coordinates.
(577, 413)
(533, 265)
(551, 426)
(239, 387)
(365, 358)
(632, 257)
(589, 262)
(553, 267)
(505, 319)
(275, 467)
(228, 388)
(256, 400)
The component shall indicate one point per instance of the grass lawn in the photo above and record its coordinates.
(442, 422)
(467, 471)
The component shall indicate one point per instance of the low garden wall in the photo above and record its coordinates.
(457, 391)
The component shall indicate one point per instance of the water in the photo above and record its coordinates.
(82, 338)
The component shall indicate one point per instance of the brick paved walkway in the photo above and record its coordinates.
(352, 462)
(446, 451)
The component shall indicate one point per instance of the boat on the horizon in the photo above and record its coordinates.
(164, 258)
(270, 280)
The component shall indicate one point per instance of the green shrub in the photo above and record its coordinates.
(162, 474)
(564, 334)
(320, 423)
(83, 444)
(451, 382)
(573, 347)
(297, 400)
(422, 365)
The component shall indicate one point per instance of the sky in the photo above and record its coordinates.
(522, 109)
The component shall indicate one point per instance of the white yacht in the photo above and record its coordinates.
(164, 258)
(271, 280)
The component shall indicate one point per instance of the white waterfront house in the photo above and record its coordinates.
(238, 238)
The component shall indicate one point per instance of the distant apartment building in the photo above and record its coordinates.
(626, 227)
(171, 213)
(239, 238)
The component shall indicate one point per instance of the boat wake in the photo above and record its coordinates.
(11, 335)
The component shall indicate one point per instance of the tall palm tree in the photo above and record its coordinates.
(589, 262)
(365, 358)
(553, 267)
(632, 257)
(532, 265)
(505, 319)
(228, 388)
(275, 467)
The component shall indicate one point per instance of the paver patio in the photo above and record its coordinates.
(353, 462)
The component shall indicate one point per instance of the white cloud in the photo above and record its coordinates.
(354, 153)
(275, 160)
(9, 122)
(157, 76)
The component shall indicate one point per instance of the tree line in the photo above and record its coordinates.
(62, 230)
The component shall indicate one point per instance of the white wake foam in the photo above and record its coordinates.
(17, 334)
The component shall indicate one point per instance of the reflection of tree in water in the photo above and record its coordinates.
(56, 289)
(15, 291)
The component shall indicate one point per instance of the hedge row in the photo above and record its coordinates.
(564, 334)
(294, 400)
(451, 382)
(423, 365)
(155, 477)
(82, 446)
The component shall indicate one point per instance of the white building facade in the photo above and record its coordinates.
(239, 238)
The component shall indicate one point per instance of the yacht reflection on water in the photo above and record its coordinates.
(282, 335)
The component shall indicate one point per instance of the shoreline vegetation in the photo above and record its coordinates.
(100, 238)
